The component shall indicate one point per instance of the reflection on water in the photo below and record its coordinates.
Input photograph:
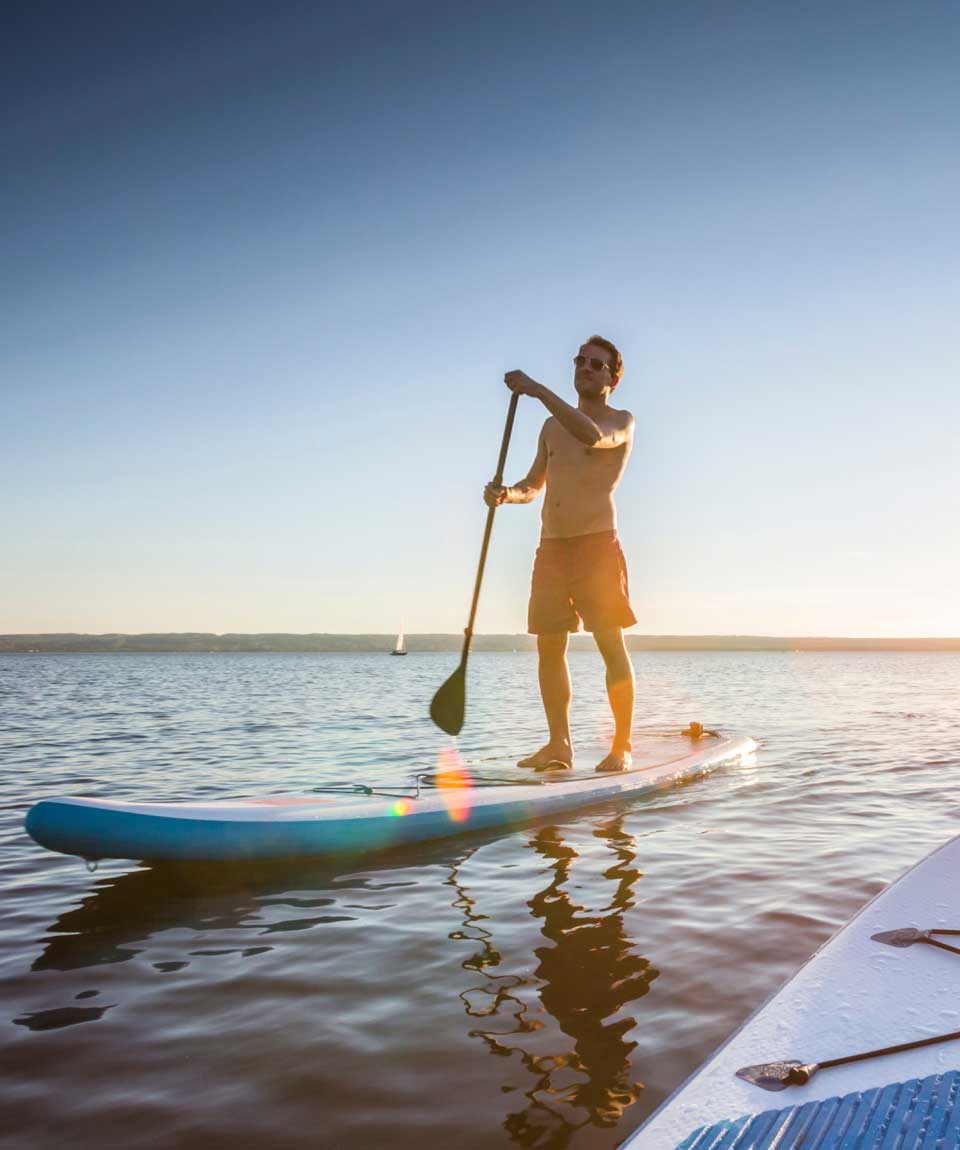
(130, 908)
(585, 970)
(583, 979)
(62, 1016)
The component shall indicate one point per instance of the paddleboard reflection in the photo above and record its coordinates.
(555, 1001)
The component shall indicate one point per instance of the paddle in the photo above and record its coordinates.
(449, 703)
(779, 1075)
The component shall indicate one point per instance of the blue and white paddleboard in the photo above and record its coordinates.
(443, 803)
(859, 993)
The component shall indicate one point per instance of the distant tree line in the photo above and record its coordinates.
(201, 641)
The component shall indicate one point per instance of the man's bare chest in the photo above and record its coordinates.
(567, 455)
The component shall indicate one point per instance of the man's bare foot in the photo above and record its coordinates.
(616, 761)
(549, 758)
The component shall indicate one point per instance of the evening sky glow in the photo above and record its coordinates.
(264, 271)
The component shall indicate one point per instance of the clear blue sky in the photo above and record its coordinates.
(264, 267)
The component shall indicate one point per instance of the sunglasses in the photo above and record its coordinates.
(596, 364)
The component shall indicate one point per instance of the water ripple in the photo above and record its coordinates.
(543, 987)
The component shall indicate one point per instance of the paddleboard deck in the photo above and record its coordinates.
(856, 994)
(332, 821)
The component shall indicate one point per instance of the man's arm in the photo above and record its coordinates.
(528, 488)
(572, 419)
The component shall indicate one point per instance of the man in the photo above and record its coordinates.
(579, 572)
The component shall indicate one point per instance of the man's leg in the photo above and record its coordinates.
(620, 692)
(556, 692)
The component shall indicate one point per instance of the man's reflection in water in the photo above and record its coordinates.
(586, 976)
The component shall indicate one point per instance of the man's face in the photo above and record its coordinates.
(592, 382)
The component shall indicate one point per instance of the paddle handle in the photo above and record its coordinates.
(497, 481)
(505, 442)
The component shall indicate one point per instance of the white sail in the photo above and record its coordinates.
(398, 649)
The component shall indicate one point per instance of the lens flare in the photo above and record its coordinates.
(401, 807)
(453, 782)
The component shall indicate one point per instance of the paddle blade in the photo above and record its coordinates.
(905, 936)
(449, 703)
(778, 1075)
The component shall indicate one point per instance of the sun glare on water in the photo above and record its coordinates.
(453, 782)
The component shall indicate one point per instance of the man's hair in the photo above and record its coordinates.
(616, 368)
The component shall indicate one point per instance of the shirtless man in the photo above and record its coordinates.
(579, 572)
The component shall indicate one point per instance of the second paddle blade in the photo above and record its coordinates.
(449, 703)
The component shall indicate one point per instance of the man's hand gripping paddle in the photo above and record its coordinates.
(449, 703)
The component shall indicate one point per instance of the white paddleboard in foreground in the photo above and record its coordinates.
(858, 993)
(354, 818)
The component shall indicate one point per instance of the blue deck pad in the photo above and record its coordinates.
(921, 1114)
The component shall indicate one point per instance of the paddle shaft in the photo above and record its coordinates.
(497, 481)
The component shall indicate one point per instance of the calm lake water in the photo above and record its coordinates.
(544, 987)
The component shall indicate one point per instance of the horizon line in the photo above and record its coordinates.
(479, 635)
(114, 642)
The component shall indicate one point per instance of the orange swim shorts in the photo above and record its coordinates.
(583, 577)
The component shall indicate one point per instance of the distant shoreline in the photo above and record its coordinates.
(202, 642)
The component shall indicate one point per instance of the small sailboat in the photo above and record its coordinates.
(398, 649)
